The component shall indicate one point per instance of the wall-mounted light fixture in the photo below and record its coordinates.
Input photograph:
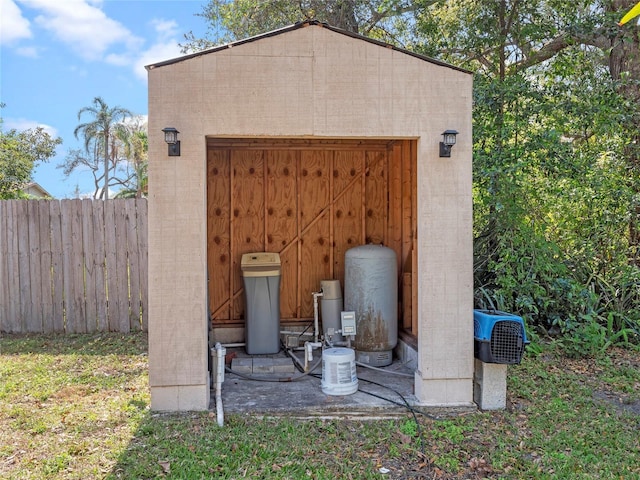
(171, 137)
(448, 141)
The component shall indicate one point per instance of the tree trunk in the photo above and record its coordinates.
(105, 190)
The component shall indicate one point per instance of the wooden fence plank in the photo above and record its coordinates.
(122, 283)
(12, 281)
(44, 230)
(4, 258)
(91, 271)
(34, 322)
(134, 265)
(73, 266)
(102, 323)
(13, 268)
(57, 267)
(143, 247)
(111, 245)
(22, 228)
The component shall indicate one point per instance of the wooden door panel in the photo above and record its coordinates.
(348, 206)
(314, 184)
(218, 242)
(315, 264)
(248, 205)
(281, 199)
(281, 222)
(376, 203)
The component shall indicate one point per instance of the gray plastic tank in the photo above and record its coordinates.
(261, 278)
(371, 290)
(330, 308)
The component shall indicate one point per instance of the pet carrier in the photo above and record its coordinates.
(499, 337)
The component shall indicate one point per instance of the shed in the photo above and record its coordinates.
(307, 141)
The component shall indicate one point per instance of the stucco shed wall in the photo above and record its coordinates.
(306, 82)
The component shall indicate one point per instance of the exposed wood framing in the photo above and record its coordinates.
(309, 200)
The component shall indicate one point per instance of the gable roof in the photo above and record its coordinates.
(296, 26)
(36, 190)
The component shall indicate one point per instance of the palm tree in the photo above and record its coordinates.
(101, 131)
(136, 145)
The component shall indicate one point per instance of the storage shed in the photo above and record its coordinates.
(307, 141)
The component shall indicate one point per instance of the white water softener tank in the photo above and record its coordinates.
(371, 290)
(330, 308)
(339, 371)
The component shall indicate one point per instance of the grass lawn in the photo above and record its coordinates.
(77, 407)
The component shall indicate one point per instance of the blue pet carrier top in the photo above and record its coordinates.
(499, 337)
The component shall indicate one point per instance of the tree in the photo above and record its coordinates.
(556, 142)
(20, 152)
(552, 44)
(100, 136)
(556, 177)
(388, 20)
(136, 145)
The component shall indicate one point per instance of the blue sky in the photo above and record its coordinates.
(57, 55)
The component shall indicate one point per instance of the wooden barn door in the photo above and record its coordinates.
(310, 201)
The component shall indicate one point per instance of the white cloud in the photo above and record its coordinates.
(166, 29)
(91, 34)
(82, 26)
(157, 53)
(13, 26)
(164, 48)
(120, 59)
(31, 52)
(22, 124)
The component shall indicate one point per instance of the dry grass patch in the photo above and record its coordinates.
(69, 405)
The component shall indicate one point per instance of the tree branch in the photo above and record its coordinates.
(550, 49)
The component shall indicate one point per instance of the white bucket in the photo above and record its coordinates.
(339, 371)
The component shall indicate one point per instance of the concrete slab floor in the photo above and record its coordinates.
(380, 393)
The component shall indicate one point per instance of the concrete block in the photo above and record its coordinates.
(242, 365)
(490, 385)
(407, 355)
(283, 365)
(262, 365)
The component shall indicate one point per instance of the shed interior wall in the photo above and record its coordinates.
(309, 200)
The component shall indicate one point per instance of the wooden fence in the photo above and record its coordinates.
(73, 266)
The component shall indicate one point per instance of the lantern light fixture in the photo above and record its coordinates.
(448, 141)
(171, 137)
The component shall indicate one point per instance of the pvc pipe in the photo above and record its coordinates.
(400, 374)
(291, 332)
(308, 354)
(289, 352)
(220, 355)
